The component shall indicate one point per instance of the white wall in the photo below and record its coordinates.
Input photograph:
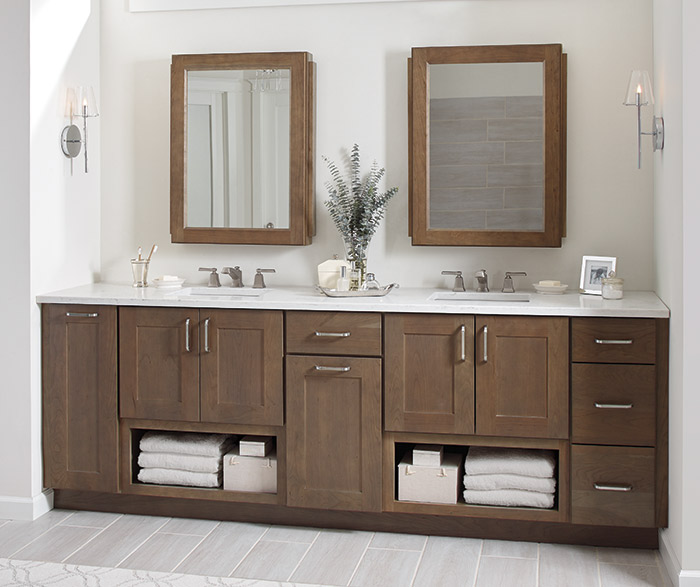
(362, 98)
(50, 222)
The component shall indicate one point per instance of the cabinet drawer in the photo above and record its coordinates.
(613, 340)
(612, 486)
(613, 404)
(334, 333)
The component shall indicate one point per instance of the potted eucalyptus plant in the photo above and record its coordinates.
(357, 207)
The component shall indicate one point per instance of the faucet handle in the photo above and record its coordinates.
(259, 281)
(459, 280)
(508, 281)
(213, 276)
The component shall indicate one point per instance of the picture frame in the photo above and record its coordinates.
(593, 270)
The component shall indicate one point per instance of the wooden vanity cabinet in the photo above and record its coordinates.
(184, 364)
(79, 380)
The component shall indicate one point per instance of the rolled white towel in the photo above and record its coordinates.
(486, 460)
(505, 481)
(175, 477)
(168, 460)
(188, 443)
(510, 498)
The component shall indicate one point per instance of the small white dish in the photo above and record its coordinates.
(168, 283)
(550, 289)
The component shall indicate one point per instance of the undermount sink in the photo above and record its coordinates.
(478, 296)
(219, 292)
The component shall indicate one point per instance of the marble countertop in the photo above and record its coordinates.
(639, 304)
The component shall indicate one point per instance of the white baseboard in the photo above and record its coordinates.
(678, 576)
(26, 508)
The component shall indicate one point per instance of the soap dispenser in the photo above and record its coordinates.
(343, 281)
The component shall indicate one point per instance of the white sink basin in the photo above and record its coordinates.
(477, 296)
(219, 292)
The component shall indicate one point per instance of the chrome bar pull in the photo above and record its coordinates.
(613, 406)
(607, 341)
(82, 314)
(332, 334)
(338, 369)
(463, 330)
(206, 335)
(187, 335)
(486, 344)
(612, 487)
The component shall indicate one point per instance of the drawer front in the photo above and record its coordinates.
(613, 404)
(334, 333)
(612, 486)
(613, 340)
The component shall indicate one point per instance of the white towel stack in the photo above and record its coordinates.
(182, 458)
(514, 477)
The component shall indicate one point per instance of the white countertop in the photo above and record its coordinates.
(635, 304)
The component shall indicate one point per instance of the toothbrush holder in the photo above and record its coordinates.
(139, 267)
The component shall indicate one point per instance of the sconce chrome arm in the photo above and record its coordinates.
(639, 93)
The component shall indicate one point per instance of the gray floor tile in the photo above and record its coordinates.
(187, 526)
(506, 548)
(118, 541)
(448, 561)
(386, 568)
(273, 561)
(398, 541)
(630, 576)
(56, 544)
(15, 535)
(332, 559)
(568, 566)
(161, 552)
(291, 534)
(627, 556)
(507, 572)
(221, 551)
(91, 519)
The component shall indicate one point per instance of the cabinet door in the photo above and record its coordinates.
(159, 363)
(241, 366)
(79, 356)
(522, 382)
(334, 439)
(429, 366)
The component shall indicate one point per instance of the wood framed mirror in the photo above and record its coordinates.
(242, 148)
(487, 145)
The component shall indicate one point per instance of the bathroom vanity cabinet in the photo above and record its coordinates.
(345, 394)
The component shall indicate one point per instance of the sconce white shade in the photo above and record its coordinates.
(639, 86)
(85, 103)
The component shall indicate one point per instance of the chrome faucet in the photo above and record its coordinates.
(259, 281)
(482, 280)
(213, 276)
(459, 280)
(235, 274)
(508, 281)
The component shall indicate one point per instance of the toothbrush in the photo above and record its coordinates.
(154, 248)
(139, 257)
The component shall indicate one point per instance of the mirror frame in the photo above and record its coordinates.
(554, 62)
(301, 148)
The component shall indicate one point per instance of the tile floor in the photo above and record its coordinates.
(322, 557)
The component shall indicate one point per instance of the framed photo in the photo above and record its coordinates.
(593, 270)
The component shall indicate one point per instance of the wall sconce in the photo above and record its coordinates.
(83, 104)
(639, 94)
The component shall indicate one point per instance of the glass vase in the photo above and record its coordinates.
(358, 262)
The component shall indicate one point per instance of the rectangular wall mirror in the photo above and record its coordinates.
(242, 148)
(487, 145)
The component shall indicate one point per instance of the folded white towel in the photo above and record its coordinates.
(510, 498)
(503, 481)
(189, 443)
(169, 460)
(486, 460)
(175, 477)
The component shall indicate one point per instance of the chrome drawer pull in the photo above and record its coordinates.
(612, 487)
(613, 406)
(464, 343)
(82, 314)
(335, 334)
(486, 342)
(187, 335)
(206, 335)
(340, 369)
(606, 341)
